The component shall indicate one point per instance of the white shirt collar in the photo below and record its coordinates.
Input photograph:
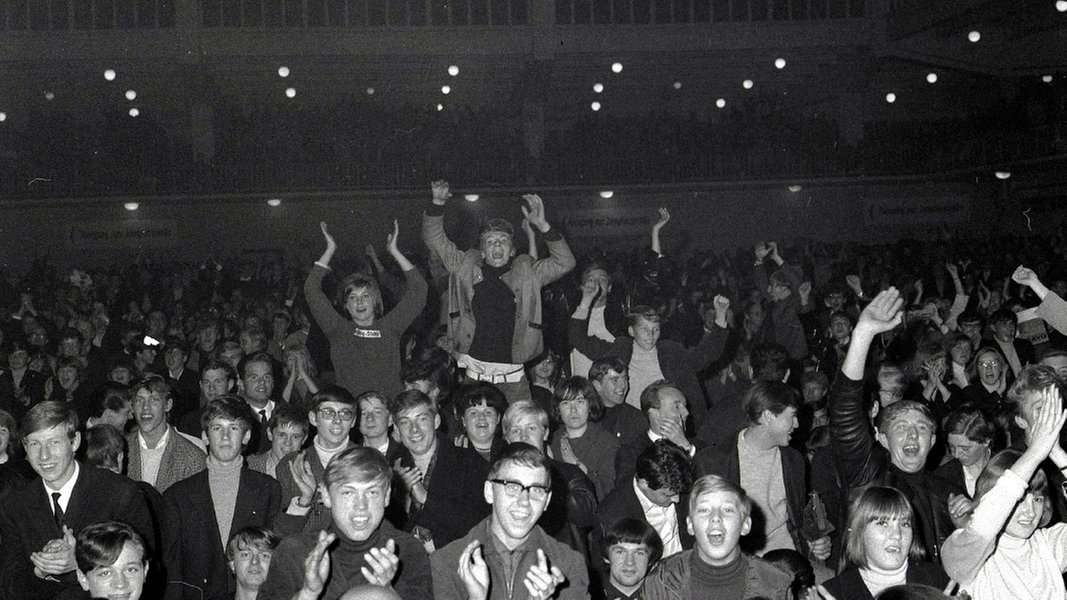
(67, 488)
(162, 441)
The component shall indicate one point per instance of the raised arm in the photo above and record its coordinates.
(531, 241)
(966, 551)
(664, 216)
(1025, 276)
(321, 309)
(560, 260)
(577, 333)
(414, 298)
(433, 228)
(713, 341)
(331, 247)
(849, 431)
(394, 250)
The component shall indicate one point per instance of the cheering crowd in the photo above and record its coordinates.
(819, 420)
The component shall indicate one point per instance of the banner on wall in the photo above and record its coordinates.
(599, 225)
(915, 210)
(123, 234)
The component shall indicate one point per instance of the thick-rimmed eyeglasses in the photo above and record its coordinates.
(328, 413)
(514, 488)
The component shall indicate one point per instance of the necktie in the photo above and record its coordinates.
(58, 510)
(263, 416)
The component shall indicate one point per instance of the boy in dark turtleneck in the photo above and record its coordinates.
(494, 296)
(359, 547)
(719, 514)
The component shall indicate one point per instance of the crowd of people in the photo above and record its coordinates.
(813, 421)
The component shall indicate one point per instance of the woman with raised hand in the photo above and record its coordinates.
(364, 343)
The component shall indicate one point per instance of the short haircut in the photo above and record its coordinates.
(770, 362)
(1002, 461)
(1032, 379)
(664, 465)
(629, 530)
(258, 357)
(971, 317)
(208, 323)
(69, 333)
(69, 362)
(523, 408)
(797, 565)
(650, 395)
(331, 393)
(49, 414)
(259, 538)
(229, 408)
(594, 266)
(574, 387)
(103, 446)
(432, 365)
(1053, 353)
(715, 483)
(817, 377)
(172, 342)
(357, 281)
(643, 312)
(217, 364)
(154, 384)
(358, 464)
(407, 400)
(970, 422)
(289, 414)
(601, 366)
(912, 591)
(954, 339)
(115, 397)
(873, 504)
(478, 393)
(887, 414)
(255, 334)
(774, 396)
(100, 544)
(1003, 315)
(522, 454)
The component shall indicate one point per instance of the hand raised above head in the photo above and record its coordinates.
(883, 313)
(535, 211)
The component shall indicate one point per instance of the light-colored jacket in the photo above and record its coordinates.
(525, 278)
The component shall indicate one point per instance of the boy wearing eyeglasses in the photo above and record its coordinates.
(333, 414)
(507, 555)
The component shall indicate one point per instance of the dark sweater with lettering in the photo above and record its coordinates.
(366, 358)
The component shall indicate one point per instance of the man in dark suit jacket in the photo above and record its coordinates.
(236, 496)
(20, 386)
(441, 482)
(672, 360)
(184, 381)
(657, 494)
(1017, 351)
(771, 408)
(218, 377)
(38, 520)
